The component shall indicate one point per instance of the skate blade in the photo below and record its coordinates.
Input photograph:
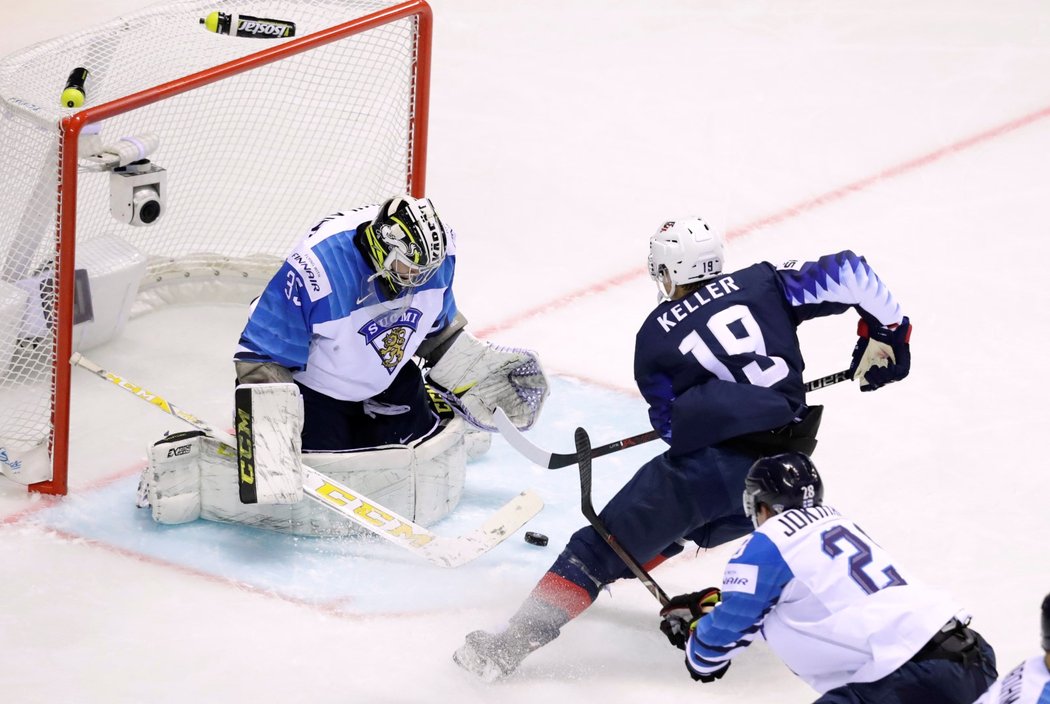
(484, 669)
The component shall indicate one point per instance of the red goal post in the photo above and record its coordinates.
(247, 142)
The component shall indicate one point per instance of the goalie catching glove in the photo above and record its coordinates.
(476, 377)
(882, 355)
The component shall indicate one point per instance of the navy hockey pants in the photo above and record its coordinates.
(398, 415)
(933, 681)
(697, 497)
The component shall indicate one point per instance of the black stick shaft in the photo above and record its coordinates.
(827, 380)
(583, 453)
(560, 459)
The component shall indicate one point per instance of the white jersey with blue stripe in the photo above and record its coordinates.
(826, 598)
(322, 318)
(1028, 683)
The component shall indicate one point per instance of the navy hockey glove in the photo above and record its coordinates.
(679, 614)
(710, 676)
(881, 355)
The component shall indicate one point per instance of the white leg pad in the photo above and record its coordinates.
(440, 468)
(172, 478)
(196, 477)
(384, 474)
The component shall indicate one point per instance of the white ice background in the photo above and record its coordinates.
(563, 132)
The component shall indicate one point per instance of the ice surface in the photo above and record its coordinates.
(563, 132)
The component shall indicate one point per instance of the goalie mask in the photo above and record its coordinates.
(684, 252)
(782, 482)
(406, 242)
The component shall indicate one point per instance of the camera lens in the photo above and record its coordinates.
(149, 211)
(146, 203)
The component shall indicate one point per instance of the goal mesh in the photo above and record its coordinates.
(258, 138)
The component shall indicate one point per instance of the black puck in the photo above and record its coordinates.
(535, 538)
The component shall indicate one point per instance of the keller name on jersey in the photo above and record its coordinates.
(389, 334)
(693, 302)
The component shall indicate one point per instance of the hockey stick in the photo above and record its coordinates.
(557, 460)
(583, 452)
(828, 380)
(443, 551)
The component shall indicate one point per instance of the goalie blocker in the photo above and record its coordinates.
(269, 429)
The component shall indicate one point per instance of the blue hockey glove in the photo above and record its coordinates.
(881, 355)
(680, 613)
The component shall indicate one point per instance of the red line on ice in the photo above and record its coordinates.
(785, 214)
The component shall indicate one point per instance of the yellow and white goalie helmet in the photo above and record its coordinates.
(406, 241)
(683, 252)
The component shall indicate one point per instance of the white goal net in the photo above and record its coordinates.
(193, 163)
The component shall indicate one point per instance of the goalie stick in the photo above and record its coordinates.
(583, 453)
(556, 460)
(439, 550)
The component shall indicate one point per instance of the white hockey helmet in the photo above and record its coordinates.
(406, 241)
(684, 252)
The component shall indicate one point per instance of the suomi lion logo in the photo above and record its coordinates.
(393, 349)
(389, 336)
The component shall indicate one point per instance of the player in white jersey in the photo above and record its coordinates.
(360, 295)
(326, 365)
(1029, 682)
(831, 603)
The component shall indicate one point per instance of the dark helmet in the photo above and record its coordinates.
(406, 242)
(782, 482)
(1046, 623)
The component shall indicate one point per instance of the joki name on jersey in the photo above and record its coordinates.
(798, 518)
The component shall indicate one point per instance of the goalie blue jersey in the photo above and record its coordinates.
(323, 318)
(725, 361)
(1028, 683)
(829, 601)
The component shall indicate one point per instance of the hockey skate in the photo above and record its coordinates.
(493, 656)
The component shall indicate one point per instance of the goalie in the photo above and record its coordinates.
(326, 369)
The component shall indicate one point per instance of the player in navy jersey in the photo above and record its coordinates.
(359, 296)
(844, 616)
(1029, 682)
(718, 362)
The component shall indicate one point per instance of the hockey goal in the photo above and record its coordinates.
(186, 172)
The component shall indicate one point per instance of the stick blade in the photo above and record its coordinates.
(519, 442)
(583, 459)
(583, 447)
(453, 552)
